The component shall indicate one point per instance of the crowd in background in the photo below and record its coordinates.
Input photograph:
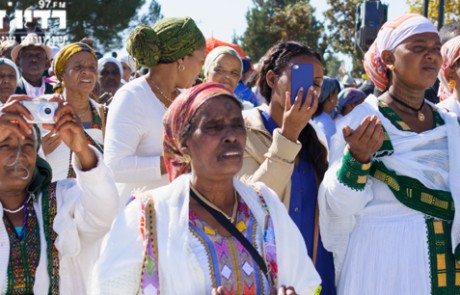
(185, 167)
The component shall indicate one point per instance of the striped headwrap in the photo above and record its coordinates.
(391, 34)
(214, 54)
(450, 54)
(63, 56)
(168, 40)
(178, 121)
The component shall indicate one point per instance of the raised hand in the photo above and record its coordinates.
(365, 140)
(69, 129)
(12, 118)
(297, 115)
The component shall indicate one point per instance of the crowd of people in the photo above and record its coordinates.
(182, 170)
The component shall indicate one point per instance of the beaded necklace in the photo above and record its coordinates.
(96, 124)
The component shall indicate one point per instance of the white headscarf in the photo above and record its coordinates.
(104, 60)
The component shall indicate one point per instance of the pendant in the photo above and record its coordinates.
(421, 116)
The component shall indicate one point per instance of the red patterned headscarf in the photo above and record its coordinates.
(178, 120)
(391, 34)
(450, 54)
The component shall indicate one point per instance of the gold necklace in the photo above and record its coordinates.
(161, 92)
(84, 113)
(210, 204)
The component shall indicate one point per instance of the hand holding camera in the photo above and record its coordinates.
(19, 112)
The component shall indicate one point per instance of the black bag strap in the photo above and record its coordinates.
(236, 233)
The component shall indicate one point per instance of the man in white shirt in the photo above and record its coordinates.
(33, 58)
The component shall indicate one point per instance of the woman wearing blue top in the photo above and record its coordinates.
(285, 150)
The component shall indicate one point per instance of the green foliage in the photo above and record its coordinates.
(332, 65)
(341, 27)
(451, 9)
(271, 21)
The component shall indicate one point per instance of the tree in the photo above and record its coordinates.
(271, 21)
(451, 9)
(105, 21)
(341, 27)
(332, 65)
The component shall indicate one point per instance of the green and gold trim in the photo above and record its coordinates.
(445, 270)
(353, 173)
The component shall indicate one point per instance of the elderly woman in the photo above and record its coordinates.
(326, 103)
(389, 201)
(49, 229)
(206, 231)
(286, 150)
(223, 65)
(110, 73)
(9, 76)
(174, 51)
(449, 75)
(76, 68)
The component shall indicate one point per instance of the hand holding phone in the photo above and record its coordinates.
(301, 77)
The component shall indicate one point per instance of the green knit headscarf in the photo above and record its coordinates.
(168, 40)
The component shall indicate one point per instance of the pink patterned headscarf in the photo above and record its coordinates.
(450, 54)
(178, 120)
(391, 34)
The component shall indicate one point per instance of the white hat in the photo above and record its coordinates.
(31, 39)
(129, 61)
(101, 62)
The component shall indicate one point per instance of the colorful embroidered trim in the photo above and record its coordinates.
(150, 279)
(445, 270)
(49, 206)
(24, 253)
(352, 173)
(97, 124)
(230, 263)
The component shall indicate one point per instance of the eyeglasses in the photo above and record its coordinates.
(232, 74)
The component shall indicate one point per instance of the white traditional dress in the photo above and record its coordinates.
(157, 243)
(392, 225)
(83, 210)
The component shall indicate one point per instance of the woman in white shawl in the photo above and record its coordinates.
(206, 232)
(49, 230)
(387, 201)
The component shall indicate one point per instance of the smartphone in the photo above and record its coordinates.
(301, 76)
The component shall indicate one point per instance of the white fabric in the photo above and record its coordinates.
(390, 36)
(33, 91)
(119, 269)
(86, 207)
(380, 246)
(451, 104)
(134, 138)
(327, 125)
(101, 62)
(11, 63)
(59, 159)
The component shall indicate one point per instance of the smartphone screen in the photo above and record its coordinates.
(301, 76)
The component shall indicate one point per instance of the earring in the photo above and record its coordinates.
(391, 67)
(181, 68)
(187, 159)
(452, 84)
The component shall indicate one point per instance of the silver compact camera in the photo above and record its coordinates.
(41, 109)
